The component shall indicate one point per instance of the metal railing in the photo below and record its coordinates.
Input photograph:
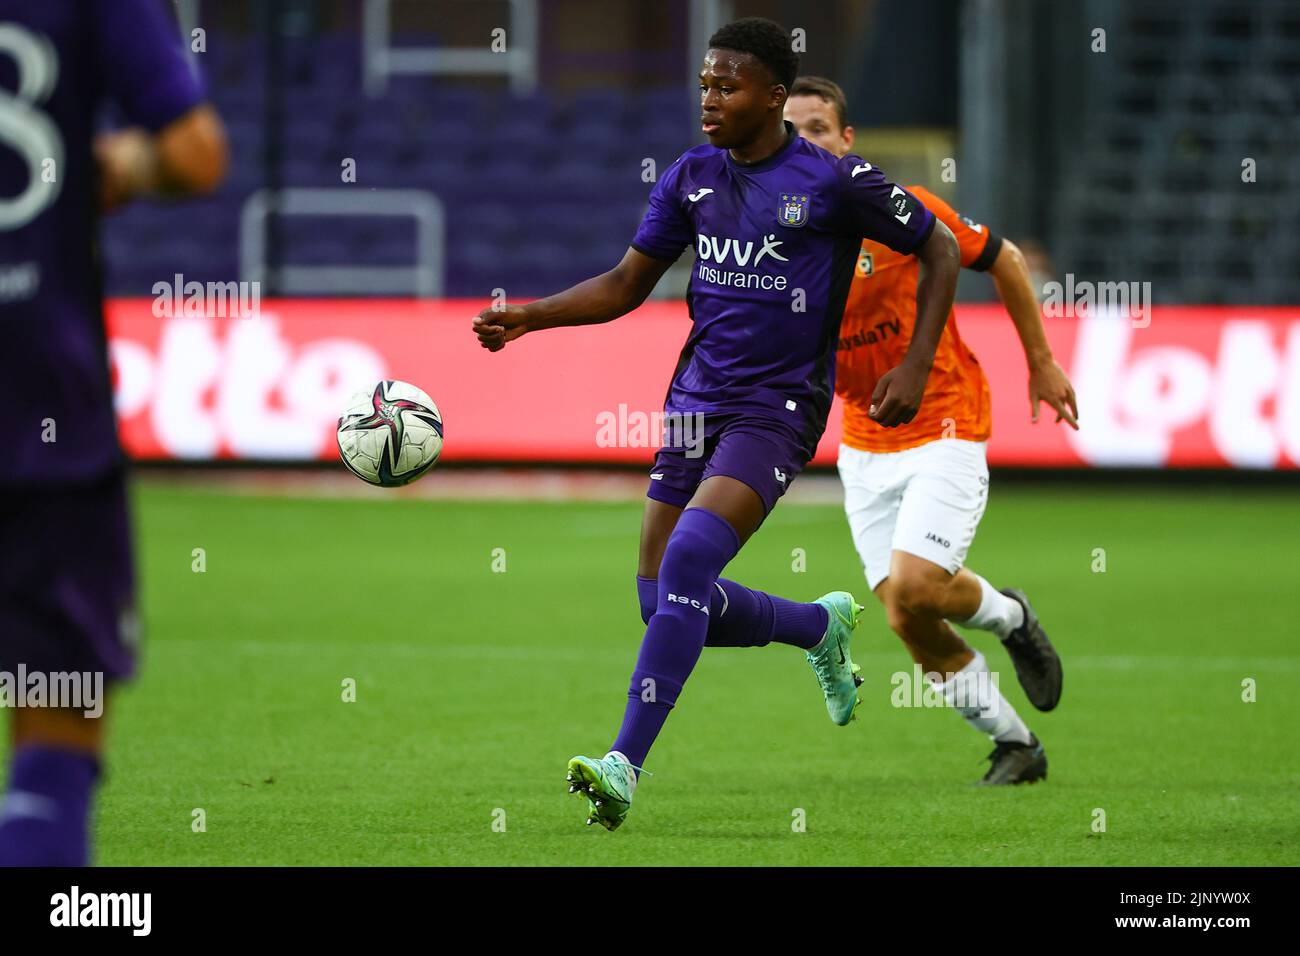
(518, 61)
(424, 278)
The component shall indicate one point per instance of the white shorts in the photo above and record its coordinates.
(926, 501)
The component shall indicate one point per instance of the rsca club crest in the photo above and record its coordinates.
(793, 210)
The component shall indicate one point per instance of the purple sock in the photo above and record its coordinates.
(803, 625)
(47, 809)
(698, 549)
(742, 617)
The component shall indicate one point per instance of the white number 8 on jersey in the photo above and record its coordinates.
(28, 130)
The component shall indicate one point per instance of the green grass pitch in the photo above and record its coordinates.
(474, 686)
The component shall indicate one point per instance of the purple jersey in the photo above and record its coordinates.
(775, 244)
(59, 59)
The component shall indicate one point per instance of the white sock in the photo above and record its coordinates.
(973, 693)
(997, 612)
(631, 771)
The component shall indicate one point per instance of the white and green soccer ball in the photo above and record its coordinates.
(391, 434)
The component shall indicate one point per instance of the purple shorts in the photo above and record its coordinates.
(67, 586)
(764, 454)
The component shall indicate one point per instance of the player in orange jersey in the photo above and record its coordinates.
(914, 494)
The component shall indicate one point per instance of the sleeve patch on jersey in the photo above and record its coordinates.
(902, 204)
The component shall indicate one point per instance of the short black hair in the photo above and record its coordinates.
(766, 41)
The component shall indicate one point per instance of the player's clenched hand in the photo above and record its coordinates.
(124, 158)
(1049, 383)
(897, 396)
(497, 326)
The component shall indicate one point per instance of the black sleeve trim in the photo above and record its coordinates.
(925, 236)
(990, 253)
(655, 255)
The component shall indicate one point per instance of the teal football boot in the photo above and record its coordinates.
(830, 660)
(608, 783)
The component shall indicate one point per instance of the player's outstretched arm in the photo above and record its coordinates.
(897, 396)
(602, 298)
(186, 157)
(1047, 380)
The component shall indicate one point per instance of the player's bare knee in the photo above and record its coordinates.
(900, 618)
(59, 727)
(920, 595)
(656, 528)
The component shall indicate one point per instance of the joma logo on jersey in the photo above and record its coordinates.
(713, 249)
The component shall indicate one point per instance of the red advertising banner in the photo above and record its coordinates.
(1183, 387)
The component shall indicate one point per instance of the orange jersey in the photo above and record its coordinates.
(878, 320)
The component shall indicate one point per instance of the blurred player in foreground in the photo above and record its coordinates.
(777, 223)
(915, 494)
(66, 581)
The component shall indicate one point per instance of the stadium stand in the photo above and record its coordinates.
(517, 196)
(1186, 93)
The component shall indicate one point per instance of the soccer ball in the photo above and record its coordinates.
(390, 435)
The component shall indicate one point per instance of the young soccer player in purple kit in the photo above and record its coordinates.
(66, 583)
(776, 223)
